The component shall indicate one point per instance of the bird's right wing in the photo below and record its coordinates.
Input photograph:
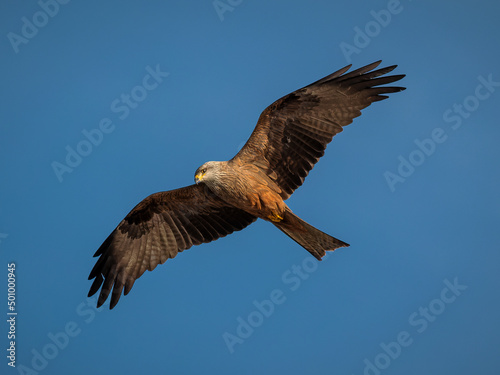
(158, 228)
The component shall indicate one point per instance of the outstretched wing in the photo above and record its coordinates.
(293, 132)
(158, 228)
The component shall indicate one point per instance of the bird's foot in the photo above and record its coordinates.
(275, 217)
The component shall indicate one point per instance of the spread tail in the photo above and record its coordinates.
(310, 238)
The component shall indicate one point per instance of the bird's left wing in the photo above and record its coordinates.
(293, 132)
(158, 228)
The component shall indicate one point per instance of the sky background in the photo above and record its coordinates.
(436, 226)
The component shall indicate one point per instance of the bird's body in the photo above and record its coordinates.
(290, 137)
(244, 186)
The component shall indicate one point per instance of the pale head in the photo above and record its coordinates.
(208, 172)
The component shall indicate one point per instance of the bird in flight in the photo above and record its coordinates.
(291, 135)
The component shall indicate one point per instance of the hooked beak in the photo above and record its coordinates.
(199, 177)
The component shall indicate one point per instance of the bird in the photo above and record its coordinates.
(290, 137)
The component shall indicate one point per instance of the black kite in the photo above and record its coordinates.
(290, 137)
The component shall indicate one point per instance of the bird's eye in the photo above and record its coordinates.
(204, 170)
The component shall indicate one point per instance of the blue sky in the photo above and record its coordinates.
(412, 185)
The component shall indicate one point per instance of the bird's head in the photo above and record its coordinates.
(206, 172)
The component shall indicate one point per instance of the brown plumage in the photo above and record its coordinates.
(290, 137)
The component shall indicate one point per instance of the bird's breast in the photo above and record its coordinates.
(252, 191)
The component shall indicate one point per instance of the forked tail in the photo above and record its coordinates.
(310, 238)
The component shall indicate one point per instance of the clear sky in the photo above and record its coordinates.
(104, 103)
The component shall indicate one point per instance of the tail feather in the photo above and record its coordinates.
(310, 238)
